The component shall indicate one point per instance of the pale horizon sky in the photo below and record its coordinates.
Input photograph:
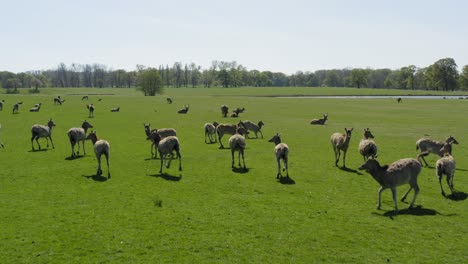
(277, 36)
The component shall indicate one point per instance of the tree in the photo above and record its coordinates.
(376, 78)
(445, 74)
(406, 77)
(100, 73)
(463, 81)
(194, 74)
(150, 82)
(12, 83)
(331, 79)
(178, 72)
(391, 81)
(359, 77)
(36, 82)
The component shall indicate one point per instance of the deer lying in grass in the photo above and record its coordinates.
(183, 110)
(320, 121)
(340, 143)
(100, 147)
(391, 176)
(36, 108)
(427, 146)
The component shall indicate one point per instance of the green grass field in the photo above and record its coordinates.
(55, 210)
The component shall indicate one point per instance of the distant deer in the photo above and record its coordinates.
(224, 110)
(183, 110)
(91, 110)
(58, 100)
(320, 121)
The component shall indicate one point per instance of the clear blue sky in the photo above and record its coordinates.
(284, 36)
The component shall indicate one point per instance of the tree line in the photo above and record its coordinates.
(441, 75)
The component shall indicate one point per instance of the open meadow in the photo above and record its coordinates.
(56, 210)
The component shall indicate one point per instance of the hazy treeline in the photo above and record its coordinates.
(442, 75)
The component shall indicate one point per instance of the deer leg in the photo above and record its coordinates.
(394, 198)
(32, 142)
(162, 161)
(344, 159)
(37, 140)
(232, 158)
(52, 142)
(286, 166)
(380, 197)
(169, 159)
(337, 156)
(440, 183)
(406, 194)
(422, 155)
(243, 159)
(180, 161)
(278, 174)
(108, 168)
(73, 149)
(450, 183)
(99, 171)
(416, 191)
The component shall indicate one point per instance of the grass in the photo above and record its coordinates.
(55, 210)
